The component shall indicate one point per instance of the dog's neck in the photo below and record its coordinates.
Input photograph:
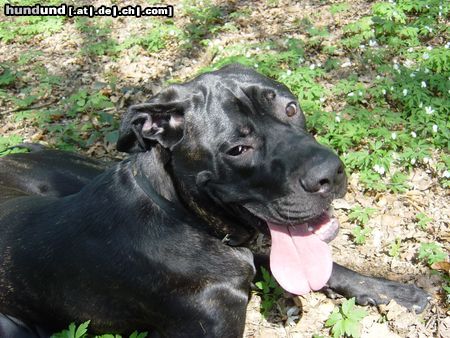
(151, 172)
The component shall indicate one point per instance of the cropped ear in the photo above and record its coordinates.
(160, 120)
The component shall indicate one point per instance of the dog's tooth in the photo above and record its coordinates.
(310, 228)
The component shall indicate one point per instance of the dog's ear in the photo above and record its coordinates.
(160, 120)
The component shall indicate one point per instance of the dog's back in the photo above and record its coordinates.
(45, 172)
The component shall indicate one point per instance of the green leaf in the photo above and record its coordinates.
(334, 318)
(347, 306)
(112, 136)
(338, 329)
(82, 329)
(351, 328)
(135, 334)
(357, 314)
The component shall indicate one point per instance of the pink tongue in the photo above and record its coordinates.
(299, 260)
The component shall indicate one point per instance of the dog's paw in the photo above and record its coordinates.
(383, 291)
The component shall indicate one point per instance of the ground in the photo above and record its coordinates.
(67, 85)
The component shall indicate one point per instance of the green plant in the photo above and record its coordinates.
(24, 28)
(360, 234)
(154, 39)
(205, 18)
(96, 34)
(394, 249)
(423, 220)
(360, 214)
(8, 141)
(270, 292)
(432, 253)
(339, 7)
(82, 332)
(345, 320)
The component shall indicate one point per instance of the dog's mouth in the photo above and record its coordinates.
(300, 258)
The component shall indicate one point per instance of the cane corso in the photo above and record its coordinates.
(158, 241)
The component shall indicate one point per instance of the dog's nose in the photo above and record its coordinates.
(324, 176)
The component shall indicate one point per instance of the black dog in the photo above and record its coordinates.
(157, 242)
(45, 172)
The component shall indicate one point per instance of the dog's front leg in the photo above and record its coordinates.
(213, 302)
(375, 290)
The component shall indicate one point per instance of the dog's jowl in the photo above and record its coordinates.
(157, 242)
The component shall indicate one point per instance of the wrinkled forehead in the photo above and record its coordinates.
(236, 78)
(235, 97)
(236, 87)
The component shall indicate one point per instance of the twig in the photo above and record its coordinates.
(39, 106)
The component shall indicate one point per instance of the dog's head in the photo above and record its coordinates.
(242, 158)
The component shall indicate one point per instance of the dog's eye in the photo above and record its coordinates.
(238, 150)
(291, 109)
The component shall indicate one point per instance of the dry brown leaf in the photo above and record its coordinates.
(442, 266)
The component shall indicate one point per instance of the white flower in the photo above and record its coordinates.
(379, 169)
(410, 49)
(426, 160)
(338, 119)
(255, 65)
(247, 54)
(413, 134)
(351, 94)
(384, 91)
(378, 77)
(257, 49)
(412, 75)
(394, 135)
(396, 66)
(288, 72)
(426, 70)
(360, 93)
(426, 56)
(413, 161)
(435, 128)
(322, 99)
(372, 43)
(446, 174)
(423, 84)
(408, 63)
(405, 92)
(447, 45)
(420, 104)
(392, 88)
(429, 110)
(312, 66)
(429, 47)
(362, 47)
(346, 64)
